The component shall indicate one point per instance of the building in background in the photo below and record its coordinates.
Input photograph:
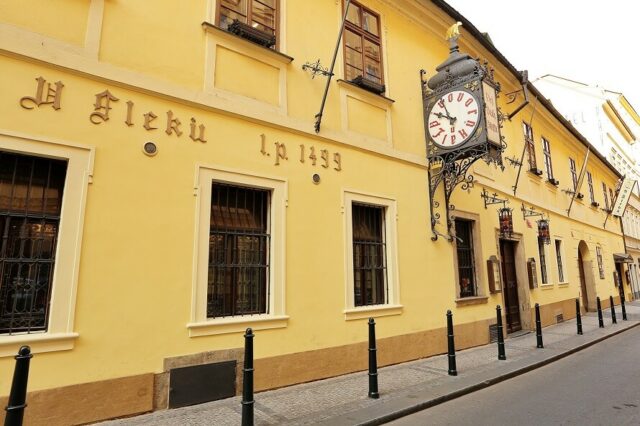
(163, 187)
(612, 125)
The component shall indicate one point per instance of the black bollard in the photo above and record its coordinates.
(613, 311)
(451, 354)
(373, 361)
(18, 396)
(501, 353)
(578, 316)
(624, 310)
(600, 320)
(538, 328)
(247, 378)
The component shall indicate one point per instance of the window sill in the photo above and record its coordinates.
(236, 324)
(39, 342)
(476, 300)
(535, 172)
(233, 38)
(546, 286)
(370, 95)
(563, 284)
(372, 312)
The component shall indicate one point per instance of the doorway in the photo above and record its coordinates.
(511, 301)
(583, 282)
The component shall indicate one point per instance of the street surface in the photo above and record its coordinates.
(597, 386)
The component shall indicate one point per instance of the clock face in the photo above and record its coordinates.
(453, 119)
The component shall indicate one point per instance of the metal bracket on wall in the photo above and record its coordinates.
(530, 212)
(512, 96)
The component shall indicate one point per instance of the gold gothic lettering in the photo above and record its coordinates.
(173, 124)
(148, 118)
(192, 133)
(129, 121)
(102, 106)
(52, 97)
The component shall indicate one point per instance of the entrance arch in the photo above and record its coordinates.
(587, 279)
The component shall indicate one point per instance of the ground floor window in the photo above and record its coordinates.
(466, 258)
(600, 263)
(238, 273)
(30, 204)
(543, 261)
(369, 255)
(558, 244)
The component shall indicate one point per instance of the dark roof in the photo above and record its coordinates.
(479, 36)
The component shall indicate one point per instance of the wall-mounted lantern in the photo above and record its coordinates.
(505, 218)
(543, 231)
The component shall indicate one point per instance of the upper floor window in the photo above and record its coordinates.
(530, 147)
(466, 258)
(546, 150)
(256, 20)
(612, 197)
(369, 255)
(592, 197)
(363, 48)
(574, 174)
(30, 205)
(239, 241)
(606, 196)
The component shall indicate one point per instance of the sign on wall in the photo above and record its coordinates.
(623, 197)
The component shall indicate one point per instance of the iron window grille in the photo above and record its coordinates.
(590, 183)
(543, 261)
(363, 48)
(30, 202)
(239, 241)
(466, 259)
(546, 150)
(257, 16)
(574, 174)
(530, 147)
(600, 263)
(559, 260)
(369, 255)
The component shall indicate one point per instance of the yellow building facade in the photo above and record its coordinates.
(162, 188)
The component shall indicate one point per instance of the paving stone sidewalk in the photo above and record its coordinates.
(404, 388)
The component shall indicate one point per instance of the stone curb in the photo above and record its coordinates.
(486, 383)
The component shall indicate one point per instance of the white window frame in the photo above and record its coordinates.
(199, 324)
(393, 306)
(60, 334)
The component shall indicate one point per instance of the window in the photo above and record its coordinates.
(369, 255)
(371, 274)
(543, 261)
(261, 15)
(590, 182)
(599, 259)
(559, 260)
(612, 198)
(466, 258)
(606, 197)
(30, 204)
(239, 236)
(574, 174)
(239, 278)
(43, 189)
(530, 147)
(362, 46)
(546, 150)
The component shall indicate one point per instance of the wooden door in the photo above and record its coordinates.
(583, 283)
(511, 302)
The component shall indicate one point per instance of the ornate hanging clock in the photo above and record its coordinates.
(462, 122)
